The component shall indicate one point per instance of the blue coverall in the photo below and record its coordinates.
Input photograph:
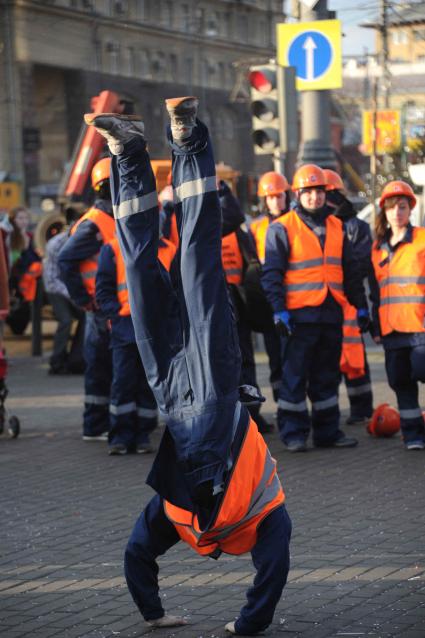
(404, 360)
(188, 343)
(311, 356)
(84, 244)
(133, 412)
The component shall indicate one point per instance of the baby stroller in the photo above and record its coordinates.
(13, 425)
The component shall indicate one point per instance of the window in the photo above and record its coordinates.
(130, 61)
(113, 57)
(144, 65)
(399, 36)
(419, 35)
(172, 67)
(188, 77)
(185, 19)
(168, 14)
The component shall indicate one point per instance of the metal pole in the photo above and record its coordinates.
(373, 154)
(316, 144)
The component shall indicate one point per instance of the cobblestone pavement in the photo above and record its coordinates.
(358, 548)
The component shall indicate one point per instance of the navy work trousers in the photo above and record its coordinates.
(272, 345)
(186, 336)
(154, 534)
(405, 367)
(360, 394)
(310, 367)
(97, 375)
(133, 413)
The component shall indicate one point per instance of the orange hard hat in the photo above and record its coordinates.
(308, 176)
(333, 180)
(385, 421)
(272, 183)
(398, 189)
(101, 171)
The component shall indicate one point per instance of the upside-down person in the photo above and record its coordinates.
(216, 483)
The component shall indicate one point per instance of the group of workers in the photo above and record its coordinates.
(171, 299)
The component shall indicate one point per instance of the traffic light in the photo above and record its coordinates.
(264, 108)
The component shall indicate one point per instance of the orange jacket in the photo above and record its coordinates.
(28, 282)
(106, 226)
(258, 228)
(254, 490)
(401, 280)
(232, 259)
(313, 272)
(352, 362)
(166, 252)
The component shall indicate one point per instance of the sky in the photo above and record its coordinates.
(356, 38)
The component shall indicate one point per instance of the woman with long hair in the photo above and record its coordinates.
(398, 257)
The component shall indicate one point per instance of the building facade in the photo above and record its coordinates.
(57, 54)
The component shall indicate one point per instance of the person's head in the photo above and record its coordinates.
(274, 189)
(100, 178)
(335, 189)
(309, 186)
(395, 205)
(20, 218)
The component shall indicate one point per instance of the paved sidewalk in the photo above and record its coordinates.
(358, 548)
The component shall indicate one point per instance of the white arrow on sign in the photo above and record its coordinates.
(310, 3)
(309, 46)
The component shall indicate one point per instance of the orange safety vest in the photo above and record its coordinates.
(106, 226)
(27, 283)
(166, 252)
(254, 490)
(352, 362)
(258, 229)
(401, 280)
(313, 272)
(232, 259)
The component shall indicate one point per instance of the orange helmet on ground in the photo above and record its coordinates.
(101, 171)
(308, 176)
(333, 180)
(385, 421)
(398, 189)
(272, 183)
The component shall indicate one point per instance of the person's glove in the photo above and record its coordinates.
(282, 321)
(91, 306)
(363, 320)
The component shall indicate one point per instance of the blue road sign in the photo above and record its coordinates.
(311, 53)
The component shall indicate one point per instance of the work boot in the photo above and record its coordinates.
(357, 420)
(117, 449)
(116, 129)
(297, 445)
(182, 112)
(230, 627)
(167, 621)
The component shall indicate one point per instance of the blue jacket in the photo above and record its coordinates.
(276, 265)
(84, 243)
(122, 331)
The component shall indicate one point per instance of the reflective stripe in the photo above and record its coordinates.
(326, 403)
(195, 187)
(335, 286)
(319, 230)
(292, 407)
(415, 413)
(125, 408)
(336, 261)
(88, 274)
(233, 271)
(307, 263)
(411, 299)
(352, 340)
(350, 322)
(96, 400)
(147, 412)
(305, 286)
(360, 389)
(136, 205)
(122, 287)
(401, 280)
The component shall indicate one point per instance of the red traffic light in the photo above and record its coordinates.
(261, 81)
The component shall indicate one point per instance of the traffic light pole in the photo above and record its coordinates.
(316, 147)
(285, 157)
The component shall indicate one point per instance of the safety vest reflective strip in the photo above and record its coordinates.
(28, 281)
(166, 252)
(106, 225)
(401, 280)
(258, 229)
(231, 258)
(253, 491)
(312, 271)
(352, 362)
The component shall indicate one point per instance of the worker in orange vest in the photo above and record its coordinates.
(133, 411)
(78, 267)
(308, 275)
(273, 191)
(354, 365)
(216, 483)
(398, 295)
